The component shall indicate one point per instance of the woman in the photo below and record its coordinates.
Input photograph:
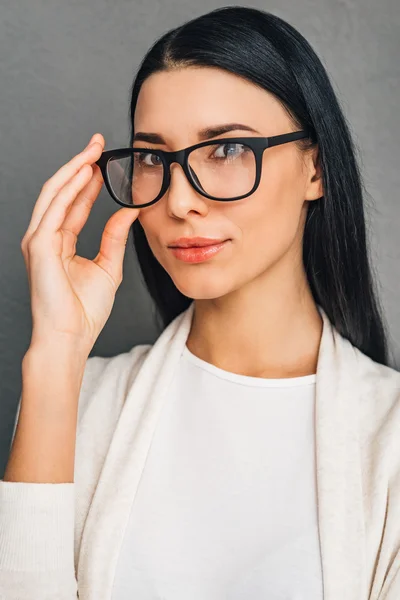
(253, 451)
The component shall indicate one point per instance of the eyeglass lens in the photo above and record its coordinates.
(224, 170)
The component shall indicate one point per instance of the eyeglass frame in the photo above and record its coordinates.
(256, 144)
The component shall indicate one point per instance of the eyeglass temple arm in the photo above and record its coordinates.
(287, 137)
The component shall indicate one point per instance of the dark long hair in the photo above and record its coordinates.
(271, 53)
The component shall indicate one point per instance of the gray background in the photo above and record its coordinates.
(65, 70)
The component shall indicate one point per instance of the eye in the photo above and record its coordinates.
(233, 149)
(148, 159)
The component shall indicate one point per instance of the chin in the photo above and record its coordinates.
(202, 286)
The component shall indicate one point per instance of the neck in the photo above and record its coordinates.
(269, 328)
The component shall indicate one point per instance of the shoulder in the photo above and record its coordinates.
(379, 396)
(378, 413)
(370, 390)
(371, 403)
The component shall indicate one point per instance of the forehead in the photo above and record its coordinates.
(190, 98)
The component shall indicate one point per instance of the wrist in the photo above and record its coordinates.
(55, 356)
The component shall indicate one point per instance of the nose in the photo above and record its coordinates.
(182, 198)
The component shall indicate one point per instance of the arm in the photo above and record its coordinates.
(106, 380)
(71, 300)
(43, 448)
(37, 493)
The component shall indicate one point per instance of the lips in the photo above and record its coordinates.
(198, 254)
(195, 242)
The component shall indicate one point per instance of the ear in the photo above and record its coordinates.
(314, 188)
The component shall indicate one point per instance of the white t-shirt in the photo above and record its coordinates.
(226, 508)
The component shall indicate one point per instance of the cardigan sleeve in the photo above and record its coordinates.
(37, 527)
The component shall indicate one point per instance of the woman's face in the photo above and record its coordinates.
(261, 229)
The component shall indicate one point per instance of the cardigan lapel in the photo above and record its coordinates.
(339, 484)
(108, 515)
(340, 508)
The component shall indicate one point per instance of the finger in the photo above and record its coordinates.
(113, 242)
(53, 185)
(37, 216)
(55, 214)
(80, 209)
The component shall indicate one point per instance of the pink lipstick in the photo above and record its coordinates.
(196, 249)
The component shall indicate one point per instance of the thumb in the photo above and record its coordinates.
(113, 242)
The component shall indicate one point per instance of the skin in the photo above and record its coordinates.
(254, 311)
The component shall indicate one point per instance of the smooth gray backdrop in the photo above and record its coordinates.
(65, 72)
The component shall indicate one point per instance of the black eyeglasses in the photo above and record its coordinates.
(139, 177)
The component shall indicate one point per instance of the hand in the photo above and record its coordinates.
(71, 296)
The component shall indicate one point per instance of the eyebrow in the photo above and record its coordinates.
(203, 134)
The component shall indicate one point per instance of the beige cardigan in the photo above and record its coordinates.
(58, 540)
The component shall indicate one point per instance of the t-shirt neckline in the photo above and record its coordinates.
(246, 379)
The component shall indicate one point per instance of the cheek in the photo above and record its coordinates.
(151, 221)
(268, 225)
